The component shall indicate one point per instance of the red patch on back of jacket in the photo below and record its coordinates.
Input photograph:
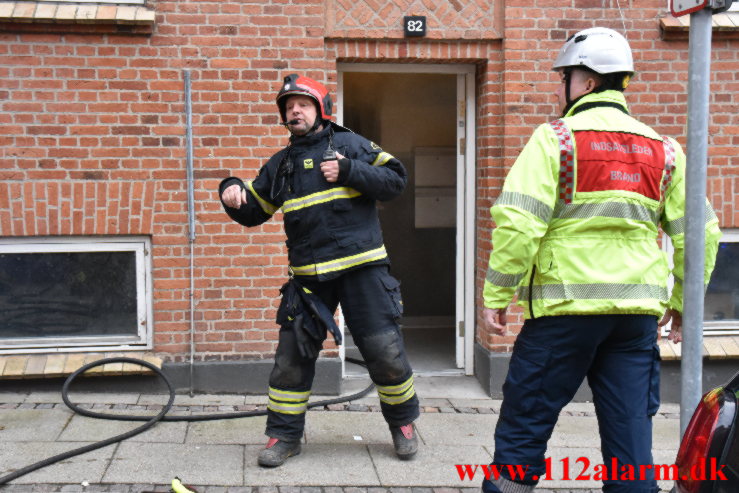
(619, 161)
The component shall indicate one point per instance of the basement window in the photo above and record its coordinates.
(721, 302)
(75, 293)
(721, 306)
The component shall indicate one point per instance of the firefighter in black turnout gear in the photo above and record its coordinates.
(326, 181)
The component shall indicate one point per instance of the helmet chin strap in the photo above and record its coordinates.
(568, 80)
(570, 102)
(315, 126)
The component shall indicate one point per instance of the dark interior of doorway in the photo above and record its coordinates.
(409, 114)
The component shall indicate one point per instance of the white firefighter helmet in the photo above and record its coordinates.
(600, 49)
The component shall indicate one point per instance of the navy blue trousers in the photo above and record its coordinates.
(551, 357)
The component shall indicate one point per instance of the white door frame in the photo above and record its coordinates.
(466, 191)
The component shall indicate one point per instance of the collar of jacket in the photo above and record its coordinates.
(604, 98)
(306, 140)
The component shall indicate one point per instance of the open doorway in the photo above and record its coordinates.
(416, 118)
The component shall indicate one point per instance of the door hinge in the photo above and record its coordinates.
(462, 145)
(460, 328)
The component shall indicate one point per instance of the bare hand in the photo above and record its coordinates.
(676, 330)
(330, 169)
(495, 319)
(234, 196)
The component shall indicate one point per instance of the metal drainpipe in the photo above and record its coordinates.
(191, 219)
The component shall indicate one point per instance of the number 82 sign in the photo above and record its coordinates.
(414, 25)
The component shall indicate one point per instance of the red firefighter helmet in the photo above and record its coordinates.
(297, 84)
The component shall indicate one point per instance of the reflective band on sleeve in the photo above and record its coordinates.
(382, 158)
(621, 210)
(340, 263)
(527, 203)
(677, 226)
(396, 394)
(595, 291)
(266, 206)
(319, 198)
(566, 161)
(288, 402)
(503, 280)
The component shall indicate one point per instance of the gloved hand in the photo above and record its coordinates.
(290, 316)
(320, 313)
(306, 346)
(308, 317)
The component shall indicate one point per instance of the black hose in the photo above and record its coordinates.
(150, 421)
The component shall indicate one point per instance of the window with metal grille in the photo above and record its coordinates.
(60, 294)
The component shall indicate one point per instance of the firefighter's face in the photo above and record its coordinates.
(303, 109)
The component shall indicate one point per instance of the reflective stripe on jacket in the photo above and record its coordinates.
(330, 227)
(577, 221)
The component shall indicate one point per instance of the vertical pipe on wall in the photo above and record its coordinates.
(191, 218)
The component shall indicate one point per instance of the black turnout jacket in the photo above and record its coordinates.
(330, 227)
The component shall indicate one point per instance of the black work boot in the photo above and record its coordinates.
(405, 441)
(277, 452)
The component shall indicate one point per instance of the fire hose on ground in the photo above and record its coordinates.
(150, 420)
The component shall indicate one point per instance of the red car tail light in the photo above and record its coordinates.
(697, 441)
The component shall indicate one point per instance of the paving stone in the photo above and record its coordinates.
(28, 425)
(267, 489)
(86, 467)
(449, 387)
(228, 431)
(346, 428)
(82, 428)
(85, 397)
(158, 463)
(195, 400)
(459, 429)
(12, 397)
(476, 403)
(318, 464)
(433, 466)
(435, 402)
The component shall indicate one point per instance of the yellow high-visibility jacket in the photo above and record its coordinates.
(578, 219)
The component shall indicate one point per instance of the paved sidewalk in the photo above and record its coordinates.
(347, 446)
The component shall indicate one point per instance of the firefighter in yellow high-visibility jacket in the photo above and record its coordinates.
(576, 235)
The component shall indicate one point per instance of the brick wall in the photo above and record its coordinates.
(657, 95)
(92, 127)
